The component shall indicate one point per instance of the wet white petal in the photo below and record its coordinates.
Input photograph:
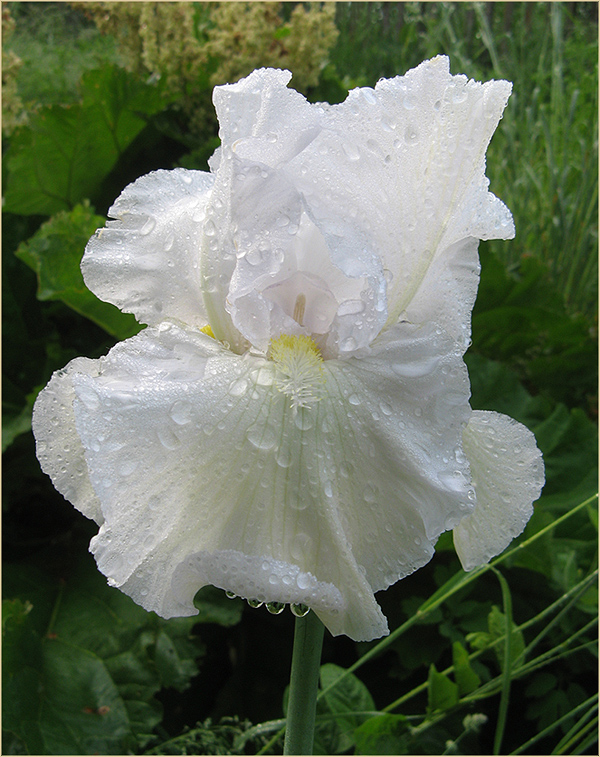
(58, 446)
(147, 261)
(406, 161)
(508, 475)
(226, 483)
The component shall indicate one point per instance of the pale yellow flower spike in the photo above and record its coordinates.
(299, 364)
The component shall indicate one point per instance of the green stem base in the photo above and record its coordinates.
(304, 681)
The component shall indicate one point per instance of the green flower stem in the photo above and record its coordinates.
(304, 681)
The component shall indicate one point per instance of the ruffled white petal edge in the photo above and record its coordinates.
(147, 260)
(508, 476)
(58, 446)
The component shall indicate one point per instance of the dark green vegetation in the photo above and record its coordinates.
(501, 660)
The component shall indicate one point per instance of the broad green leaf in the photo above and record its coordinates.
(82, 668)
(65, 152)
(335, 735)
(442, 693)
(215, 607)
(382, 734)
(466, 678)
(54, 252)
(497, 631)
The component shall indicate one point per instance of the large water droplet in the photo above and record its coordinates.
(416, 368)
(254, 603)
(348, 344)
(284, 458)
(181, 412)
(148, 226)
(354, 399)
(304, 419)
(351, 307)
(238, 387)
(169, 241)
(262, 437)
(167, 438)
(303, 580)
(299, 610)
(275, 607)
(301, 546)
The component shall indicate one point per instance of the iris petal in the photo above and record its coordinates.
(226, 483)
(508, 475)
(147, 260)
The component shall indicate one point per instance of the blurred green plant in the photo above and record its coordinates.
(105, 108)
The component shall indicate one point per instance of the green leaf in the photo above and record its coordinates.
(349, 696)
(54, 252)
(383, 734)
(215, 607)
(65, 152)
(82, 667)
(442, 693)
(497, 631)
(17, 424)
(466, 678)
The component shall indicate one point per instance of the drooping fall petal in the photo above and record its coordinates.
(508, 476)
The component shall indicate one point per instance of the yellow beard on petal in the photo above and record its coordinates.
(299, 366)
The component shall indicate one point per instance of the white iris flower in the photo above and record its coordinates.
(293, 425)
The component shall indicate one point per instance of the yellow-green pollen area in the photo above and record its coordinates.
(208, 331)
(299, 365)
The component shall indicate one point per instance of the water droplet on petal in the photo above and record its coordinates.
(351, 307)
(254, 603)
(348, 344)
(275, 607)
(238, 387)
(169, 241)
(304, 419)
(411, 135)
(168, 439)
(262, 437)
(148, 226)
(299, 610)
(303, 580)
(354, 399)
(284, 458)
(230, 595)
(181, 412)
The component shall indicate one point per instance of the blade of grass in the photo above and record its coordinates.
(591, 702)
(506, 672)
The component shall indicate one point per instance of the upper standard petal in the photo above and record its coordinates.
(147, 260)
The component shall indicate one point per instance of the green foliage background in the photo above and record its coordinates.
(501, 660)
